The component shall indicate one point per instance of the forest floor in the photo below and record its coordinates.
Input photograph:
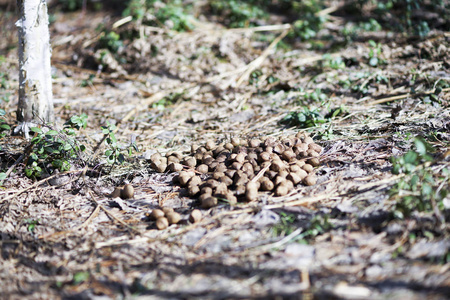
(361, 232)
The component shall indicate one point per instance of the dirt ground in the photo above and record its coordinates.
(352, 235)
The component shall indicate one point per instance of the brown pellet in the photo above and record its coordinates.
(264, 156)
(266, 184)
(162, 223)
(310, 180)
(251, 191)
(281, 190)
(209, 202)
(277, 165)
(193, 190)
(156, 214)
(195, 216)
(173, 217)
(202, 168)
(127, 192)
(240, 178)
(175, 167)
(294, 177)
(189, 161)
(254, 143)
(210, 145)
(116, 193)
(315, 147)
(172, 159)
(226, 180)
(240, 157)
(167, 210)
(195, 180)
(160, 168)
(308, 168)
(221, 167)
(221, 188)
(315, 162)
(235, 141)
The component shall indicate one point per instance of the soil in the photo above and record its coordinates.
(63, 236)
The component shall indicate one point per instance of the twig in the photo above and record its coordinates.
(393, 98)
(258, 61)
(40, 182)
(261, 28)
(88, 220)
(111, 214)
(13, 166)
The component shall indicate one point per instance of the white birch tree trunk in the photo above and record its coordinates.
(35, 80)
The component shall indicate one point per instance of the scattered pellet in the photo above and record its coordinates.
(173, 217)
(162, 223)
(195, 216)
(156, 214)
(127, 192)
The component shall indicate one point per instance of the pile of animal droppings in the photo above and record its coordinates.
(237, 170)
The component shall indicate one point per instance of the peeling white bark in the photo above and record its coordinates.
(35, 80)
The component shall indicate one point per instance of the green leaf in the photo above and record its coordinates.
(411, 157)
(2, 112)
(2, 176)
(36, 129)
(51, 132)
(80, 277)
(420, 146)
(414, 180)
(427, 189)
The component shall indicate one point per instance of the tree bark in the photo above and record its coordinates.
(35, 80)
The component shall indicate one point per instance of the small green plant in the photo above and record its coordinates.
(80, 277)
(304, 119)
(351, 31)
(111, 41)
(114, 153)
(31, 224)
(420, 189)
(167, 101)
(4, 128)
(175, 17)
(361, 82)
(237, 13)
(173, 14)
(4, 81)
(335, 63)
(88, 82)
(285, 226)
(409, 161)
(318, 225)
(254, 77)
(341, 110)
(310, 22)
(57, 148)
(315, 96)
(433, 98)
(403, 15)
(374, 55)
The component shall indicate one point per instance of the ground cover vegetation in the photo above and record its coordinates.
(177, 124)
